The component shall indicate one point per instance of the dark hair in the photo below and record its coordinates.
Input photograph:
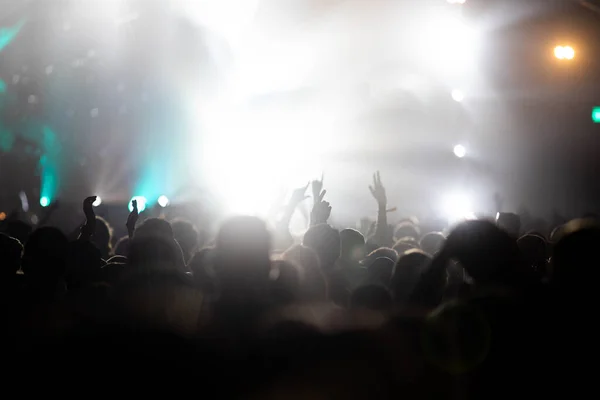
(432, 242)
(186, 235)
(371, 297)
(45, 254)
(407, 274)
(352, 244)
(313, 285)
(325, 241)
(10, 255)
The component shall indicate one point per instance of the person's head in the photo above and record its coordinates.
(407, 273)
(84, 262)
(488, 254)
(285, 283)
(10, 256)
(382, 252)
(371, 297)
(352, 245)
(510, 223)
(122, 247)
(19, 230)
(534, 250)
(154, 253)
(242, 251)
(404, 244)
(379, 272)
(406, 228)
(102, 237)
(325, 241)
(575, 259)
(154, 227)
(45, 254)
(186, 235)
(432, 242)
(313, 286)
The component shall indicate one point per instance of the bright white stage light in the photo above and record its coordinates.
(457, 1)
(163, 201)
(460, 151)
(458, 95)
(457, 207)
(449, 45)
(97, 202)
(272, 151)
(141, 203)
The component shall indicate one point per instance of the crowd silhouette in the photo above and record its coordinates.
(484, 310)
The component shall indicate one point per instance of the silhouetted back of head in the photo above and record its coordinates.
(352, 245)
(371, 297)
(45, 254)
(186, 235)
(84, 262)
(406, 229)
(488, 254)
(534, 249)
(575, 261)
(10, 256)
(122, 247)
(285, 283)
(380, 271)
(313, 286)
(102, 237)
(19, 230)
(404, 244)
(154, 227)
(154, 253)
(325, 241)
(382, 252)
(407, 273)
(243, 247)
(432, 242)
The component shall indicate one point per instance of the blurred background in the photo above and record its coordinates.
(229, 104)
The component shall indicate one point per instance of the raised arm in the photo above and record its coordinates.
(321, 209)
(382, 234)
(283, 237)
(88, 229)
(132, 219)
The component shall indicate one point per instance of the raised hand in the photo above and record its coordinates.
(88, 229)
(320, 213)
(299, 195)
(378, 191)
(317, 190)
(132, 219)
(88, 207)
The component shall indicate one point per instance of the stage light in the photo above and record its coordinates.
(97, 202)
(460, 2)
(163, 201)
(460, 151)
(596, 115)
(457, 207)
(44, 201)
(449, 45)
(2, 216)
(564, 52)
(458, 95)
(141, 203)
